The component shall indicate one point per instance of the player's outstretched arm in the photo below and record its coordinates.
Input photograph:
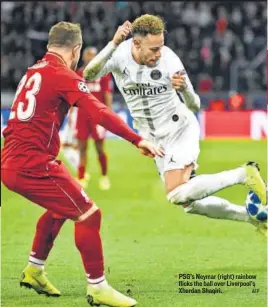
(102, 62)
(102, 115)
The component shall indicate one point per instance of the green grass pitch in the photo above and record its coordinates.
(147, 241)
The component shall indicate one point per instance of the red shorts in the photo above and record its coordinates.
(85, 129)
(57, 191)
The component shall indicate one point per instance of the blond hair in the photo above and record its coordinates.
(65, 34)
(148, 24)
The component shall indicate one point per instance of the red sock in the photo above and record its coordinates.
(103, 163)
(88, 242)
(47, 229)
(81, 172)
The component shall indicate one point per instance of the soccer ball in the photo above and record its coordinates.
(255, 208)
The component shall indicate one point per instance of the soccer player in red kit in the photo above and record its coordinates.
(102, 89)
(30, 168)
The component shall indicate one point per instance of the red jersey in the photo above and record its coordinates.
(43, 98)
(99, 86)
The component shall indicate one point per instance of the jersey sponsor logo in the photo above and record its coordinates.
(83, 87)
(145, 91)
(156, 74)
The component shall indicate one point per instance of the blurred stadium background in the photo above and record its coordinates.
(223, 48)
(222, 45)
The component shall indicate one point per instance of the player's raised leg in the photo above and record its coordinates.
(213, 207)
(176, 170)
(182, 190)
(218, 208)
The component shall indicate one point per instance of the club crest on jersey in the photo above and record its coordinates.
(156, 74)
(83, 87)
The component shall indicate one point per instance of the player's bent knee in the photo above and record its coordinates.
(179, 195)
(171, 185)
(91, 218)
(190, 208)
(88, 213)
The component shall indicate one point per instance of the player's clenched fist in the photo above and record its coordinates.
(122, 32)
(178, 81)
(149, 149)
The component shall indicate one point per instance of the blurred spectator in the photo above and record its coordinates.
(236, 102)
(205, 84)
(121, 4)
(221, 23)
(213, 39)
(216, 105)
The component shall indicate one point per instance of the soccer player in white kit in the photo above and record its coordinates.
(161, 100)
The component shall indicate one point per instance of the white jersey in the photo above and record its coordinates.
(153, 103)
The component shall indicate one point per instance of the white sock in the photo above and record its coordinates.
(204, 185)
(97, 283)
(218, 208)
(38, 263)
